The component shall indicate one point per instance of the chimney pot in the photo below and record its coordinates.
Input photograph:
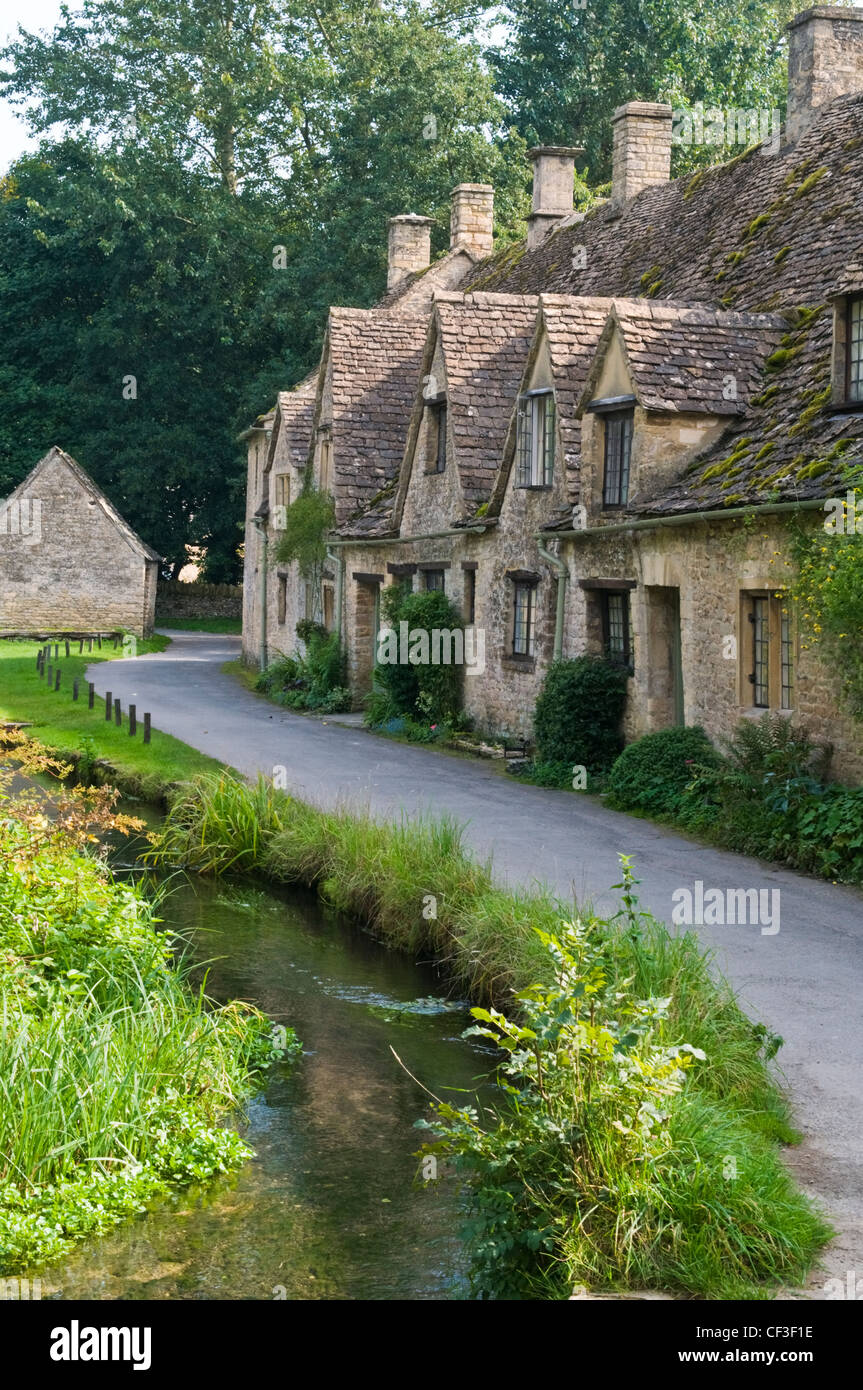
(553, 178)
(408, 247)
(472, 223)
(642, 148)
(825, 60)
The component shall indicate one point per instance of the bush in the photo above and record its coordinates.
(314, 680)
(426, 692)
(578, 713)
(653, 774)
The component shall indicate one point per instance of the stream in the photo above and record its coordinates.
(330, 1207)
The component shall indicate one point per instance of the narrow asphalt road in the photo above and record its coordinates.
(804, 981)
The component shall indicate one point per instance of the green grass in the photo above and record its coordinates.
(688, 1228)
(232, 625)
(62, 724)
(116, 1075)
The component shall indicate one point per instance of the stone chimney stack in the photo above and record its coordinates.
(408, 247)
(553, 180)
(825, 60)
(642, 148)
(472, 223)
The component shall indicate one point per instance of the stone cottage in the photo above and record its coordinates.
(613, 426)
(68, 560)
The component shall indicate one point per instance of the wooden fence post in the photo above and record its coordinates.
(107, 704)
(74, 690)
(91, 694)
(146, 728)
(57, 679)
(132, 721)
(118, 715)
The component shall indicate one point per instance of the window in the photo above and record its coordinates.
(615, 627)
(523, 620)
(282, 598)
(282, 490)
(854, 375)
(768, 652)
(436, 461)
(618, 447)
(329, 597)
(470, 597)
(433, 581)
(535, 437)
(326, 462)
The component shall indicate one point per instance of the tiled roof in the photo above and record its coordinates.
(694, 359)
(375, 358)
(296, 411)
(763, 233)
(485, 340)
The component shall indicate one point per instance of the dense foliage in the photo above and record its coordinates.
(828, 590)
(578, 714)
(653, 773)
(116, 1075)
(565, 66)
(766, 793)
(313, 678)
(420, 689)
(605, 1167)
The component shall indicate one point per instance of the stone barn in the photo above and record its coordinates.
(68, 560)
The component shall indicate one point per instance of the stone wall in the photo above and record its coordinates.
(76, 570)
(198, 600)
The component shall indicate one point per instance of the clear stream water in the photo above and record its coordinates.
(329, 1208)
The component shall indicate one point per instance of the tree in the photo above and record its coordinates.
(230, 171)
(564, 67)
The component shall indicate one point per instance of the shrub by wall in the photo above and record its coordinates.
(652, 774)
(578, 713)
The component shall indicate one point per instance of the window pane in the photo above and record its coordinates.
(618, 447)
(855, 351)
(524, 445)
(787, 660)
(522, 632)
(548, 440)
(760, 650)
(617, 637)
(440, 413)
(434, 580)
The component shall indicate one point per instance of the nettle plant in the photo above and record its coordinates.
(589, 1086)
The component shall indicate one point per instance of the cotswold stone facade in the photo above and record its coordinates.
(68, 560)
(599, 440)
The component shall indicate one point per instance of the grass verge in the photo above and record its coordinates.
(679, 1222)
(71, 729)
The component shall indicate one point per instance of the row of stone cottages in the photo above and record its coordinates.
(594, 440)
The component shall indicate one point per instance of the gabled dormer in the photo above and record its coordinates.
(471, 368)
(665, 384)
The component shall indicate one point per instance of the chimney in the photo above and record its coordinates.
(553, 179)
(408, 247)
(472, 222)
(642, 148)
(825, 60)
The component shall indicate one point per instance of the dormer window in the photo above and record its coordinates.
(535, 438)
(854, 368)
(618, 450)
(436, 447)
